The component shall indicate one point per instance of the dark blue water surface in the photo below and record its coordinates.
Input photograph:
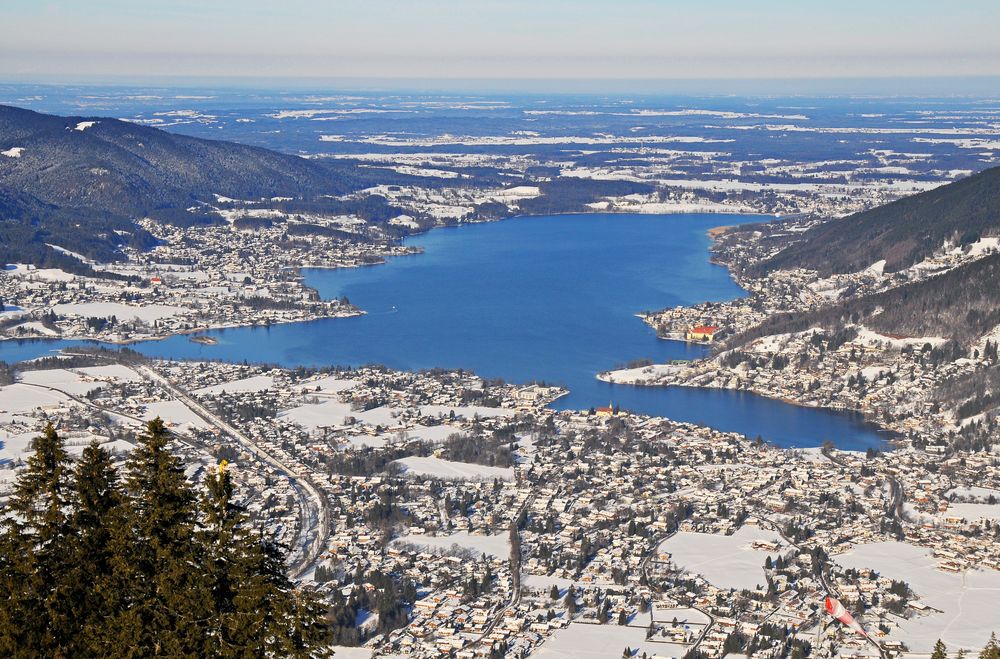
(540, 298)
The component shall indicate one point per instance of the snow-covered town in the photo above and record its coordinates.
(245, 269)
(481, 522)
(442, 514)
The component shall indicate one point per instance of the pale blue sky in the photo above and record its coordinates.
(568, 39)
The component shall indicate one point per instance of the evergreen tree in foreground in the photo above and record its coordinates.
(102, 529)
(94, 565)
(992, 649)
(36, 564)
(247, 582)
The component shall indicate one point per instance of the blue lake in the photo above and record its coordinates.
(541, 298)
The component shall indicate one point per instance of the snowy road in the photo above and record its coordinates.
(314, 521)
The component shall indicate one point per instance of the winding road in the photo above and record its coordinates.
(515, 571)
(314, 519)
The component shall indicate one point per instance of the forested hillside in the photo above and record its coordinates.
(902, 233)
(963, 303)
(124, 168)
(79, 182)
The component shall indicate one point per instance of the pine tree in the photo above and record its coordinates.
(255, 606)
(38, 611)
(940, 651)
(90, 568)
(99, 519)
(228, 627)
(570, 601)
(170, 601)
(299, 616)
(992, 649)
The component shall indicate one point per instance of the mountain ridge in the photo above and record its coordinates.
(901, 233)
(61, 174)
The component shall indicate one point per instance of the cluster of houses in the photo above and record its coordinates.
(593, 499)
(197, 278)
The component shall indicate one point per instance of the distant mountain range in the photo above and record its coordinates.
(79, 182)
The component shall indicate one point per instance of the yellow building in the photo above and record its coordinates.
(704, 333)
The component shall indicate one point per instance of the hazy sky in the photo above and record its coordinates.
(574, 39)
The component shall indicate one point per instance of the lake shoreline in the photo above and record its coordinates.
(891, 434)
(530, 281)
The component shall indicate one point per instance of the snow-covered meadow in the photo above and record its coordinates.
(451, 470)
(965, 604)
(726, 561)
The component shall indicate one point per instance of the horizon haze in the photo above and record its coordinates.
(447, 42)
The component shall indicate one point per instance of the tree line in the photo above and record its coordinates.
(94, 562)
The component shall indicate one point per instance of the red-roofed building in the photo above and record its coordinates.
(605, 411)
(702, 333)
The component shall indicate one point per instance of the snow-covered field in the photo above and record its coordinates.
(520, 140)
(968, 600)
(734, 185)
(973, 511)
(578, 641)
(67, 252)
(110, 372)
(433, 434)
(11, 311)
(425, 171)
(874, 338)
(35, 327)
(641, 374)
(364, 441)
(47, 274)
(670, 207)
(251, 384)
(378, 416)
(147, 313)
(545, 582)
(494, 545)
(174, 412)
(684, 616)
(467, 412)
(327, 385)
(14, 445)
(24, 398)
(976, 494)
(726, 561)
(430, 434)
(61, 379)
(319, 415)
(449, 469)
(344, 652)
